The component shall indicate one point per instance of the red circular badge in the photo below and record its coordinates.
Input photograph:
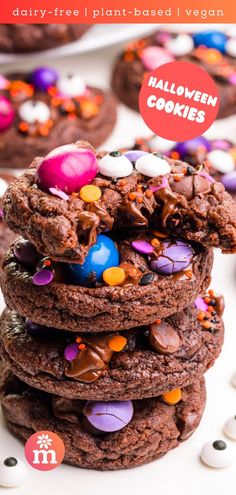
(44, 450)
(179, 101)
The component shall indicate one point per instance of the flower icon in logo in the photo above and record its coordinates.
(44, 441)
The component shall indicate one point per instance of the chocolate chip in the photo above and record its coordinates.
(147, 279)
(163, 338)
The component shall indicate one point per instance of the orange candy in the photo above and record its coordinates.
(114, 276)
(90, 193)
(117, 343)
(172, 397)
(212, 56)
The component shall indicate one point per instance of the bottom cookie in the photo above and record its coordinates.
(155, 427)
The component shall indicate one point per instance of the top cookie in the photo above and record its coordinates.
(64, 200)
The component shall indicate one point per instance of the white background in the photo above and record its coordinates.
(181, 471)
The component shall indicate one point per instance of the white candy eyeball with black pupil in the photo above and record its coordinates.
(13, 472)
(71, 85)
(216, 454)
(222, 161)
(230, 47)
(3, 187)
(34, 111)
(230, 428)
(152, 165)
(181, 45)
(115, 165)
(158, 143)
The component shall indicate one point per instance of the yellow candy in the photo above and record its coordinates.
(117, 343)
(172, 397)
(114, 276)
(89, 194)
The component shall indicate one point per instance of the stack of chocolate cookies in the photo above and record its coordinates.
(110, 326)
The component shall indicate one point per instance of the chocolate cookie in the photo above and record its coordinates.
(48, 206)
(42, 110)
(6, 235)
(155, 427)
(16, 38)
(140, 363)
(152, 288)
(214, 51)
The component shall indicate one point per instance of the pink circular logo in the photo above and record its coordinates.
(179, 101)
(44, 450)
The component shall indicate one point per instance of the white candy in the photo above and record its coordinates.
(71, 85)
(3, 187)
(233, 379)
(222, 161)
(216, 457)
(230, 47)
(160, 144)
(230, 428)
(34, 111)
(115, 166)
(181, 45)
(152, 166)
(12, 475)
(66, 148)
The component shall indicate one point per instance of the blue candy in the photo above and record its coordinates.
(104, 254)
(211, 39)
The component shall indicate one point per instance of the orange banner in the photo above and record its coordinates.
(117, 11)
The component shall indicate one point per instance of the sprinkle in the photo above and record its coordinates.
(201, 316)
(57, 192)
(158, 321)
(90, 193)
(172, 397)
(147, 279)
(81, 347)
(212, 56)
(139, 199)
(149, 193)
(122, 182)
(143, 247)
(78, 340)
(43, 277)
(206, 325)
(206, 176)
(71, 352)
(117, 343)
(114, 276)
(207, 300)
(132, 196)
(155, 243)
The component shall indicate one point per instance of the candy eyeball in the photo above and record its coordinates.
(3, 187)
(230, 47)
(34, 111)
(71, 85)
(152, 165)
(13, 472)
(216, 454)
(108, 417)
(230, 428)
(163, 145)
(115, 165)
(222, 161)
(181, 45)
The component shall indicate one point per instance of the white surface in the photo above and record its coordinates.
(180, 472)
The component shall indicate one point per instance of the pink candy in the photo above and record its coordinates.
(154, 56)
(7, 113)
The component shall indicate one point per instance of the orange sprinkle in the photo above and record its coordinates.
(129, 57)
(172, 397)
(81, 347)
(155, 242)
(139, 188)
(149, 193)
(177, 178)
(210, 309)
(188, 273)
(43, 130)
(211, 292)
(212, 56)
(89, 109)
(122, 182)
(201, 316)
(139, 199)
(47, 263)
(23, 127)
(52, 90)
(158, 321)
(78, 340)
(132, 196)
(207, 300)
(175, 155)
(117, 343)
(206, 324)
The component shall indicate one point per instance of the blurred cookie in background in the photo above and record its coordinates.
(6, 235)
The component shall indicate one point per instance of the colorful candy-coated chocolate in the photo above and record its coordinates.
(173, 257)
(102, 255)
(13, 472)
(222, 161)
(115, 165)
(71, 352)
(230, 428)
(67, 168)
(142, 246)
(200, 304)
(230, 47)
(34, 111)
(152, 166)
(154, 56)
(43, 277)
(158, 143)
(229, 181)
(109, 416)
(190, 146)
(43, 77)
(216, 454)
(71, 85)
(25, 252)
(3, 187)
(181, 45)
(133, 155)
(7, 113)
(211, 39)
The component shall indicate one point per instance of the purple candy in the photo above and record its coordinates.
(188, 147)
(109, 416)
(221, 144)
(7, 113)
(229, 181)
(206, 176)
(25, 252)
(43, 77)
(43, 277)
(133, 155)
(200, 304)
(71, 352)
(142, 247)
(57, 192)
(173, 258)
